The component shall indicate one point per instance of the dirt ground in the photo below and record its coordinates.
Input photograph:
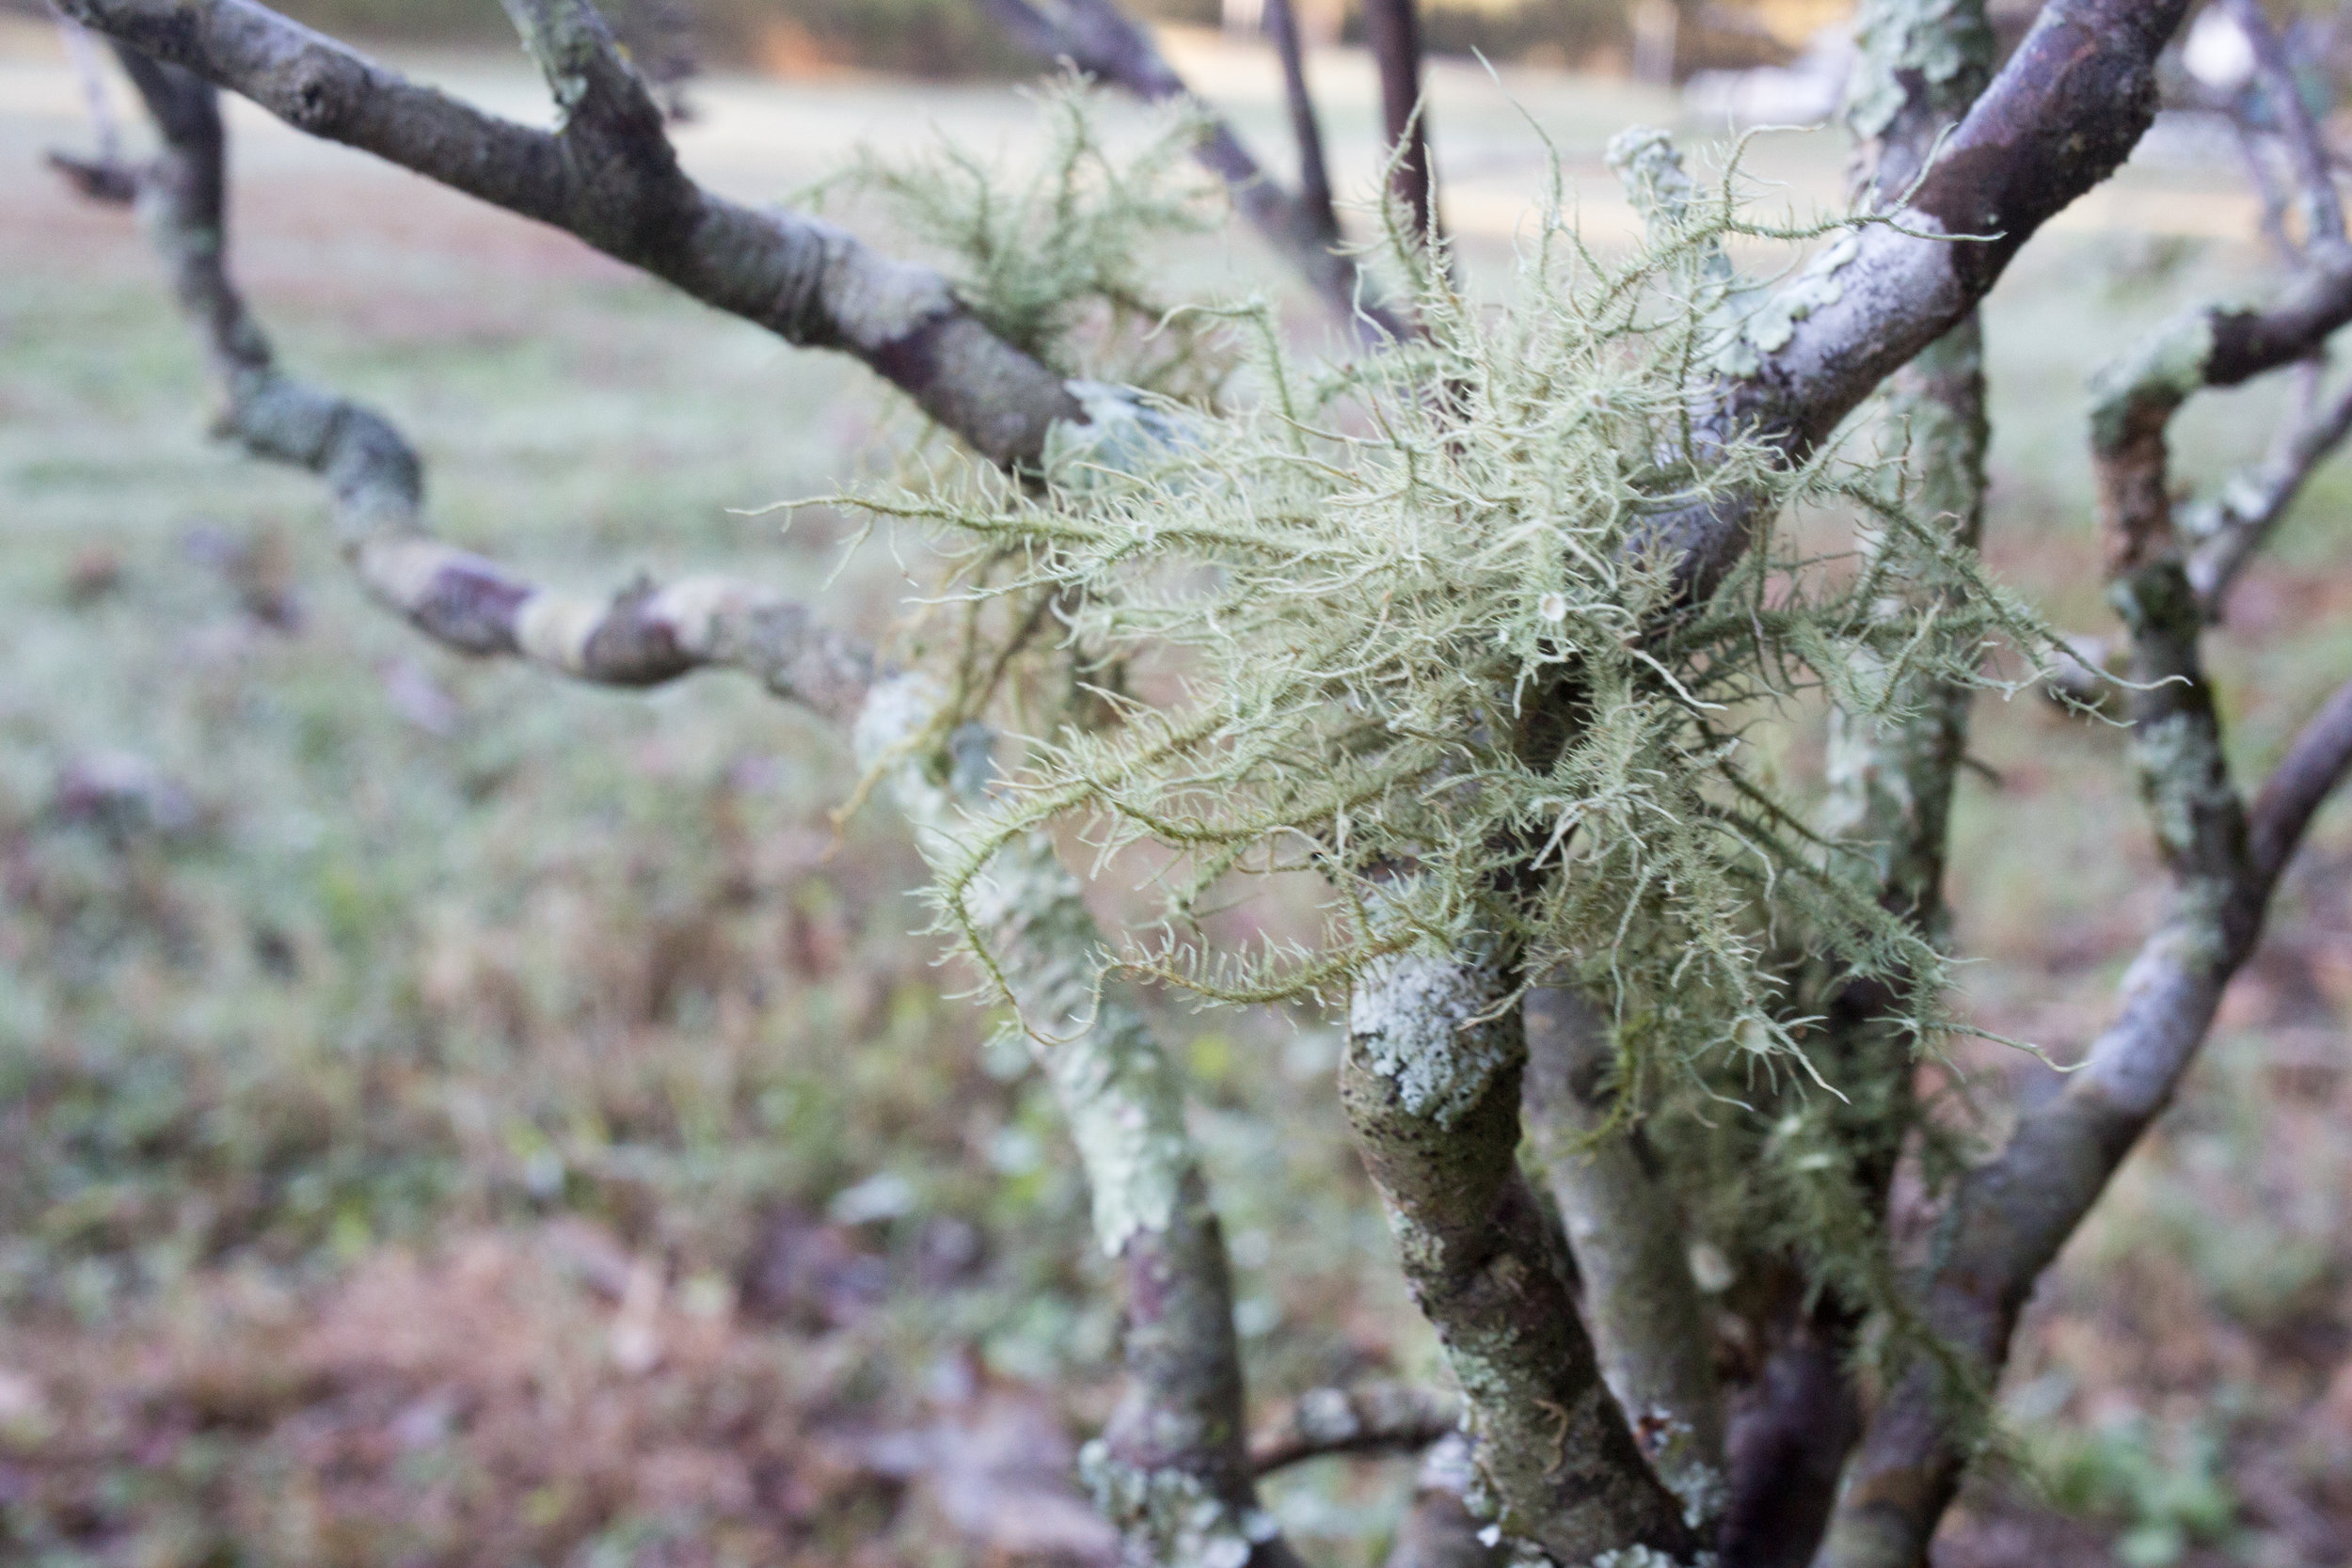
(458, 1120)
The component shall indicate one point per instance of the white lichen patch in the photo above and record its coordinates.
(554, 628)
(1414, 1020)
(1185, 1523)
(1768, 326)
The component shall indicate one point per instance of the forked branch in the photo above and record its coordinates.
(1430, 1082)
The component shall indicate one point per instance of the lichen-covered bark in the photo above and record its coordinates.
(2011, 1215)
(1648, 1324)
(646, 634)
(2060, 115)
(1430, 1082)
(602, 179)
(1172, 1468)
(1922, 63)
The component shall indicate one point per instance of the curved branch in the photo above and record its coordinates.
(807, 282)
(2236, 523)
(641, 636)
(1171, 1469)
(1379, 1417)
(2012, 1214)
(2314, 766)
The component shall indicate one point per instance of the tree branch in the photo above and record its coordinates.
(1103, 41)
(1430, 1083)
(2307, 150)
(2228, 530)
(1381, 1417)
(2059, 118)
(810, 283)
(1171, 1469)
(1918, 70)
(2012, 1214)
(643, 636)
(1393, 28)
(1649, 1327)
(1315, 174)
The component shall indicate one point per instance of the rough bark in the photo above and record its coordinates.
(1430, 1083)
(610, 177)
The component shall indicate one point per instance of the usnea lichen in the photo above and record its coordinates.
(1428, 653)
(1056, 257)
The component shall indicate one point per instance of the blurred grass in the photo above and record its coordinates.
(396, 1051)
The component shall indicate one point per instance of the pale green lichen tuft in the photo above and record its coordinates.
(1058, 256)
(1425, 633)
(1412, 637)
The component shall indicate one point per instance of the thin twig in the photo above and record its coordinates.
(1393, 28)
(1314, 175)
(2314, 174)
(2228, 530)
